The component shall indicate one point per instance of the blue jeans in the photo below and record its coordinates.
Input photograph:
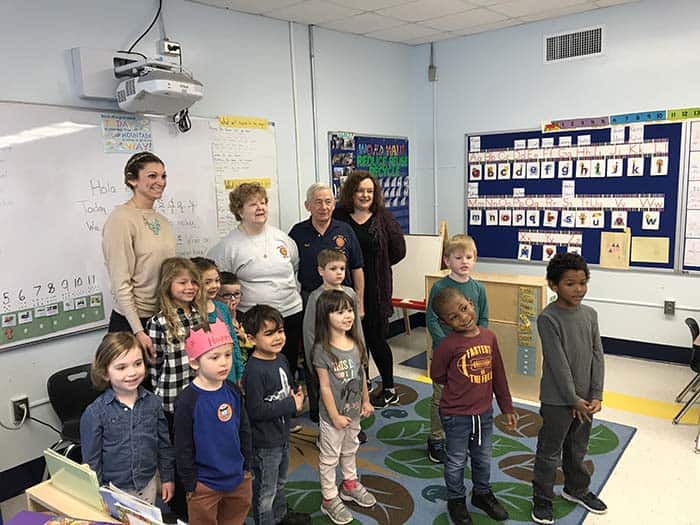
(269, 476)
(468, 436)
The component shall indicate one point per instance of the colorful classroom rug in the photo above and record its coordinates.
(410, 489)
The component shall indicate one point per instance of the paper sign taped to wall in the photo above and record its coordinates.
(232, 184)
(615, 249)
(233, 121)
(650, 249)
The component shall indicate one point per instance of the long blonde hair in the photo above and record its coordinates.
(169, 271)
(335, 301)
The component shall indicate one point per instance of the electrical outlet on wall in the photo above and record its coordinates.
(19, 408)
(669, 307)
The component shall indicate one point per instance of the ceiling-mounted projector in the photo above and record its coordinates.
(156, 87)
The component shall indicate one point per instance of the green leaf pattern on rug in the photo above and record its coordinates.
(404, 433)
(414, 462)
(367, 422)
(423, 407)
(504, 445)
(602, 440)
(303, 496)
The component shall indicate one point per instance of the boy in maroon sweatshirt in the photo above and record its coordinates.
(469, 366)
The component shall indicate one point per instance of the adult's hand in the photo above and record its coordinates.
(147, 344)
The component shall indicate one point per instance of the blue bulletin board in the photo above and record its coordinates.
(531, 194)
(384, 157)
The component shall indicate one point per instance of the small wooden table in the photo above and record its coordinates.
(45, 497)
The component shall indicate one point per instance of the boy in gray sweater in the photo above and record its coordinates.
(571, 389)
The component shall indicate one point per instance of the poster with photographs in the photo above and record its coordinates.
(384, 157)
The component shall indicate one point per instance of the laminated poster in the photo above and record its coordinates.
(615, 249)
(650, 249)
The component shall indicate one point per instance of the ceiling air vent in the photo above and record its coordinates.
(567, 46)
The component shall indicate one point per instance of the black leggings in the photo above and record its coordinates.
(376, 329)
(292, 329)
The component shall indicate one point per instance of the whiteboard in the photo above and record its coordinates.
(423, 256)
(57, 190)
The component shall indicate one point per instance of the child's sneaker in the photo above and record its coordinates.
(362, 437)
(542, 513)
(383, 398)
(457, 509)
(359, 494)
(490, 505)
(589, 501)
(436, 450)
(336, 510)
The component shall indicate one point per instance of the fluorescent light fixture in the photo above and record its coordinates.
(42, 132)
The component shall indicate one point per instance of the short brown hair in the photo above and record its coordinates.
(112, 346)
(329, 255)
(136, 163)
(350, 186)
(459, 242)
(241, 194)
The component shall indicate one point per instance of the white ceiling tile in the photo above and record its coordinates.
(402, 33)
(250, 6)
(556, 13)
(488, 27)
(364, 23)
(518, 8)
(474, 17)
(430, 38)
(312, 12)
(608, 3)
(424, 9)
(369, 5)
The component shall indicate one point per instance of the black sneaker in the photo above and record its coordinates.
(383, 398)
(362, 437)
(542, 513)
(489, 504)
(296, 518)
(588, 501)
(436, 450)
(457, 509)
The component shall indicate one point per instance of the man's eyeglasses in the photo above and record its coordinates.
(229, 296)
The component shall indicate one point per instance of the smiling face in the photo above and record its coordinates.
(571, 288)
(150, 183)
(254, 211)
(461, 262)
(270, 339)
(183, 289)
(211, 283)
(458, 313)
(364, 195)
(126, 372)
(341, 320)
(213, 366)
(321, 206)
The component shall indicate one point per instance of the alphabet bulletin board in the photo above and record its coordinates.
(608, 193)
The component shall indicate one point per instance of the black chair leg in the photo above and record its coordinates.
(691, 386)
(687, 406)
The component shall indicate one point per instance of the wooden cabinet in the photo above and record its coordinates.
(515, 301)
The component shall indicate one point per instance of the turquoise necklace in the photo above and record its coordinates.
(153, 225)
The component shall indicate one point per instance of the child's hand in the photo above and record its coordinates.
(367, 409)
(167, 490)
(594, 406)
(511, 420)
(341, 422)
(298, 398)
(581, 410)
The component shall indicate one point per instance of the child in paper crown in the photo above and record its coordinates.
(212, 433)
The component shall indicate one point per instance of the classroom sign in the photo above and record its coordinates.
(384, 157)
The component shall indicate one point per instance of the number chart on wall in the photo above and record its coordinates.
(608, 193)
(384, 157)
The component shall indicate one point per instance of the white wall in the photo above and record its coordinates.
(497, 81)
(245, 63)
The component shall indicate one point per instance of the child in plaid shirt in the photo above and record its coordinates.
(181, 299)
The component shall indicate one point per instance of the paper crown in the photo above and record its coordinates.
(200, 342)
